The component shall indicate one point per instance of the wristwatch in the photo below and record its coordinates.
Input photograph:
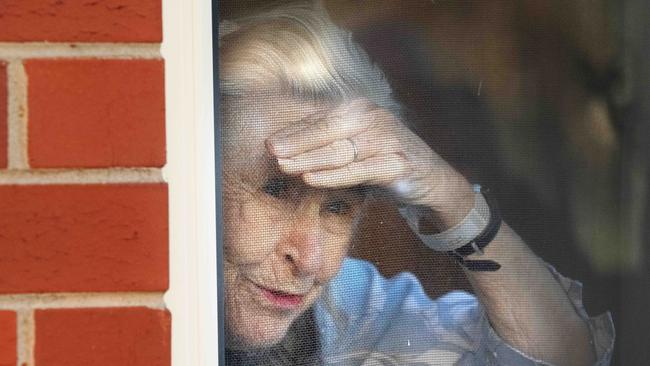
(470, 236)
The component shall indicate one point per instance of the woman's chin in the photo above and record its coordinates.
(263, 334)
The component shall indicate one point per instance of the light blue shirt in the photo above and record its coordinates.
(366, 319)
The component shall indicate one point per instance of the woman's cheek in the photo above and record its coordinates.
(250, 234)
(335, 252)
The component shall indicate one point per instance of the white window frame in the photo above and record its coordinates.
(190, 172)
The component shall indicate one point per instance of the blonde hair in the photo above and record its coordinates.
(296, 49)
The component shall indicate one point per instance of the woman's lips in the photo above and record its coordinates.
(281, 299)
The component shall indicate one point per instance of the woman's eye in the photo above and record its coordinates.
(338, 207)
(276, 187)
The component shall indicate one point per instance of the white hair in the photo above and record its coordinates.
(296, 49)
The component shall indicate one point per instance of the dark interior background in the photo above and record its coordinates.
(546, 102)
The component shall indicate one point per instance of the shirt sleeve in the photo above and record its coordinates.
(601, 328)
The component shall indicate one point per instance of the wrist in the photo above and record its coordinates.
(473, 233)
(451, 201)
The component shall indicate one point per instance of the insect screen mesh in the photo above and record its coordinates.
(337, 114)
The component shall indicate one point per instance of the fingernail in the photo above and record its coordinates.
(277, 147)
(309, 178)
(281, 150)
(289, 166)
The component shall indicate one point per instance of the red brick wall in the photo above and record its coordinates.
(8, 338)
(3, 115)
(83, 206)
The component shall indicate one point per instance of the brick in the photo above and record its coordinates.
(81, 21)
(8, 338)
(3, 115)
(94, 113)
(83, 238)
(102, 337)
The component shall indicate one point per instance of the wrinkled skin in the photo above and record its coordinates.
(280, 233)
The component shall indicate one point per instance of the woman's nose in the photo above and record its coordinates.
(302, 248)
(304, 254)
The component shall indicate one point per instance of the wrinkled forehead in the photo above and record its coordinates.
(248, 121)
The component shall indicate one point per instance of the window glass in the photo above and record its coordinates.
(433, 182)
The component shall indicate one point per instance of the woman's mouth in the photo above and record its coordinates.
(281, 299)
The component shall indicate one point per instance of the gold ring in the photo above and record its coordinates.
(354, 149)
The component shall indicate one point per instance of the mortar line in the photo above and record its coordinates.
(17, 51)
(25, 342)
(81, 176)
(17, 116)
(28, 302)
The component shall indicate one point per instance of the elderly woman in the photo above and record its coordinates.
(309, 127)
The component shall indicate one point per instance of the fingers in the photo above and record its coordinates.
(334, 155)
(352, 145)
(378, 170)
(318, 131)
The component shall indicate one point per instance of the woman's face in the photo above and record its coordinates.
(283, 239)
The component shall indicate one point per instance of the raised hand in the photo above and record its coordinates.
(361, 143)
